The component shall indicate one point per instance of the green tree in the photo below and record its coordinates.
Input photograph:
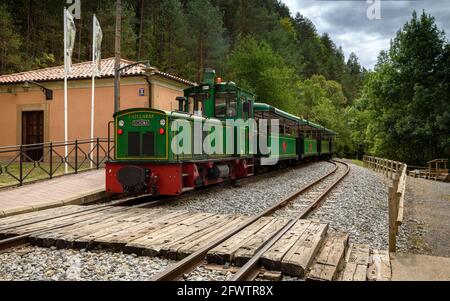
(407, 96)
(10, 42)
(208, 44)
(255, 66)
(323, 101)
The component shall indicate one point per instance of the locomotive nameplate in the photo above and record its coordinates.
(140, 123)
(141, 116)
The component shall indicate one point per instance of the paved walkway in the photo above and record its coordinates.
(74, 190)
(410, 267)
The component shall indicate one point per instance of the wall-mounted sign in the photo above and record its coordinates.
(141, 92)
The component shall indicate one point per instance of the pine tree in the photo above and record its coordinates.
(10, 43)
(206, 34)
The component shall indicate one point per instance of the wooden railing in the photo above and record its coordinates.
(397, 172)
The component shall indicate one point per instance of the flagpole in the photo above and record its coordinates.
(93, 89)
(66, 150)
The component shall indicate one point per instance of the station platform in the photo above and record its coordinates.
(79, 189)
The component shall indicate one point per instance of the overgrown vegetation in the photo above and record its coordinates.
(404, 110)
(400, 110)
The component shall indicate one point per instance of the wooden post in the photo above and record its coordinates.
(391, 170)
(393, 214)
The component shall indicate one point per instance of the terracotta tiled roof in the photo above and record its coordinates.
(82, 71)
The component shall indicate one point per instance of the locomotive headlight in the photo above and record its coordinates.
(162, 122)
(121, 123)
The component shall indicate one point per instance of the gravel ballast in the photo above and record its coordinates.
(358, 206)
(255, 196)
(39, 264)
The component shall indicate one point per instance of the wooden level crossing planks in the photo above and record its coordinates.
(271, 260)
(301, 255)
(153, 221)
(185, 248)
(330, 259)
(356, 263)
(54, 237)
(254, 244)
(379, 266)
(225, 251)
(152, 245)
(28, 227)
(169, 249)
(72, 236)
(132, 218)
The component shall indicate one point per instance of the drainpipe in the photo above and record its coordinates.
(150, 92)
(150, 72)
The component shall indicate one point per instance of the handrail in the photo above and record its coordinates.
(397, 172)
(57, 143)
(20, 165)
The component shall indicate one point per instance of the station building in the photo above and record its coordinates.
(30, 115)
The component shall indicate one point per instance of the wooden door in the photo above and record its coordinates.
(33, 133)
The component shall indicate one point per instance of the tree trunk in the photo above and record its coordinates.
(28, 28)
(200, 58)
(141, 30)
(243, 18)
(170, 59)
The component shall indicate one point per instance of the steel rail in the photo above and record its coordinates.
(251, 269)
(194, 260)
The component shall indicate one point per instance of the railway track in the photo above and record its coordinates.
(251, 269)
(306, 199)
(135, 202)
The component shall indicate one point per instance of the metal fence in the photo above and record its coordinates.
(29, 163)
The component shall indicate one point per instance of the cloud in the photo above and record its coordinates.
(349, 27)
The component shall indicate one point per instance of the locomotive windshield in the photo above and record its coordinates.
(226, 105)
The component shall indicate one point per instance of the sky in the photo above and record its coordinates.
(349, 26)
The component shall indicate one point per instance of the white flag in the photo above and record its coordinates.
(70, 31)
(97, 42)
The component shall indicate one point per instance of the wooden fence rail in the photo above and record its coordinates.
(397, 173)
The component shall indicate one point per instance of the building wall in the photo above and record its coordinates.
(165, 94)
(14, 99)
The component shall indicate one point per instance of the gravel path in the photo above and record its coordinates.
(38, 264)
(253, 197)
(358, 206)
(426, 224)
